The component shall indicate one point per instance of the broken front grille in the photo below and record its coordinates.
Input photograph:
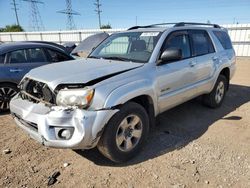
(36, 92)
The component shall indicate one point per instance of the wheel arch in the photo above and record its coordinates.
(8, 83)
(147, 103)
(226, 72)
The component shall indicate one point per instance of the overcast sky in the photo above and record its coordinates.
(126, 13)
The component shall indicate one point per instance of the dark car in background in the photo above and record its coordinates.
(62, 47)
(17, 59)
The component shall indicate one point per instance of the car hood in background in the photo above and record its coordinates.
(87, 45)
(79, 71)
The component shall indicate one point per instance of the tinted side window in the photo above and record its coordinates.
(18, 56)
(224, 39)
(202, 44)
(57, 56)
(2, 59)
(36, 55)
(180, 41)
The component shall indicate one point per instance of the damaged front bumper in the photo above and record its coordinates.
(60, 127)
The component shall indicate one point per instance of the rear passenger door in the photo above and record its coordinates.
(22, 61)
(204, 53)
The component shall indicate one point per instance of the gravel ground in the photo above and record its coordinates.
(192, 146)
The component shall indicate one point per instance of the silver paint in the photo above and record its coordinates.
(167, 85)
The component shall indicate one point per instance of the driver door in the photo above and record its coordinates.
(175, 79)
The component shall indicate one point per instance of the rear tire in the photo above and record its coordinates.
(125, 133)
(215, 98)
(7, 92)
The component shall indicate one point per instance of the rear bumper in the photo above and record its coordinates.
(43, 123)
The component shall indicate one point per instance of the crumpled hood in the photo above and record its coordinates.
(78, 71)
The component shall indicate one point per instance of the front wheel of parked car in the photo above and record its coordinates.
(125, 133)
(7, 91)
(217, 95)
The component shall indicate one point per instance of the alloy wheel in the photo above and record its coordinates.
(220, 90)
(129, 133)
(6, 93)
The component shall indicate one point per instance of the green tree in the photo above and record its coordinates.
(12, 28)
(107, 26)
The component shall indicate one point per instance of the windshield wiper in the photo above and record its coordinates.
(117, 58)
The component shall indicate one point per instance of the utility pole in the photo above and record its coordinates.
(35, 17)
(98, 11)
(234, 20)
(15, 9)
(70, 13)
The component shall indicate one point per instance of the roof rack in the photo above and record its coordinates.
(193, 23)
(151, 26)
(180, 24)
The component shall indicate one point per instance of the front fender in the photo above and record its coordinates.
(129, 91)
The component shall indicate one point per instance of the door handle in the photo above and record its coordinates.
(192, 64)
(215, 58)
(16, 70)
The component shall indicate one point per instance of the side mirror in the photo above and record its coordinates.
(170, 54)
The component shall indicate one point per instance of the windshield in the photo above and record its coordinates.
(130, 46)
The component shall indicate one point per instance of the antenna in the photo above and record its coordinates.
(98, 11)
(69, 12)
(15, 9)
(35, 17)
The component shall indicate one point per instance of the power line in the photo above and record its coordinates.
(15, 9)
(98, 11)
(35, 17)
(69, 12)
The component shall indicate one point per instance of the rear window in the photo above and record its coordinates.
(224, 39)
(202, 44)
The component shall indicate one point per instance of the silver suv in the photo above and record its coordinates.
(110, 99)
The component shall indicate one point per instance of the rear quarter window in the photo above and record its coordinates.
(57, 56)
(224, 39)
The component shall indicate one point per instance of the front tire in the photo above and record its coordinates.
(7, 91)
(217, 95)
(125, 133)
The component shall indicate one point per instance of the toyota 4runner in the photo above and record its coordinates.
(111, 98)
